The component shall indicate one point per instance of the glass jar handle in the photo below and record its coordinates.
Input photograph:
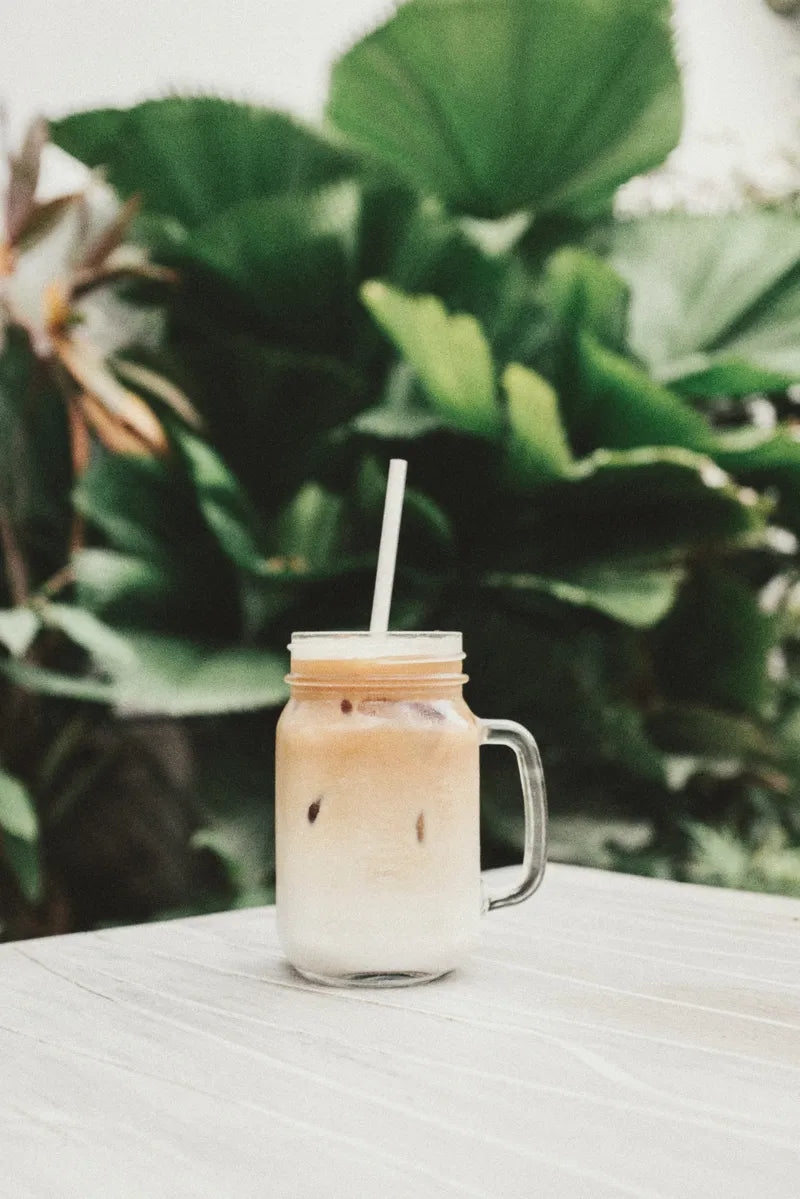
(534, 796)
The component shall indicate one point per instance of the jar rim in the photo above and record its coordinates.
(342, 645)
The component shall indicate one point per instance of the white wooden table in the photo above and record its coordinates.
(614, 1036)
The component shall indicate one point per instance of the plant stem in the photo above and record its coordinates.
(63, 577)
(16, 570)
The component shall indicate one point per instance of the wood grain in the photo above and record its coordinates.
(614, 1036)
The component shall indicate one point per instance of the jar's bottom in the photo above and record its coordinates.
(402, 978)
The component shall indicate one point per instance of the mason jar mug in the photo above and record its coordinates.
(377, 824)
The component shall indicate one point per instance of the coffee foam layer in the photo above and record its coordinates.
(341, 646)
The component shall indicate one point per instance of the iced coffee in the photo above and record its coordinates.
(377, 808)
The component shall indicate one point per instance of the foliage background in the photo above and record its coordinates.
(207, 366)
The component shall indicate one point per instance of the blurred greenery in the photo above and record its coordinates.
(199, 393)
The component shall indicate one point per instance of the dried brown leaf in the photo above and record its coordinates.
(111, 237)
(7, 260)
(42, 218)
(121, 419)
(138, 433)
(125, 263)
(80, 445)
(23, 179)
(164, 389)
(80, 450)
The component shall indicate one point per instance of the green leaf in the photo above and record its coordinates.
(538, 448)
(192, 158)
(730, 377)
(146, 511)
(616, 405)
(17, 813)
(449, 354)
(625, 741)
(766, 459)
(158, 675)
(422, 511)
(498, 105)
(395, 424)
(289, 259)
(23, 858)
(611, 402)
(715, 300)
(176, 678)
(640, 598)
(310, 528)
(224, 506)
(583, 292)
(125, 498)
(90, 136)
(36, 477)
(52, 682)
(271, 411)
(707, 733)
(122, 588)
(713, 651)
(644, 505)
(455, 259)
(223, 842)
(109, 651)
(18, 627)
(722, 858)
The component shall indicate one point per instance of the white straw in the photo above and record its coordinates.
(387, 554)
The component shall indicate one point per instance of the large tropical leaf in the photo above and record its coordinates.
(269, 410)
(499, 105)
(713, 649)
(649, 505)
(225, 508)
(582, 292)
(284, 265)
(449, 354)
(715, 300)
(160, 566)
(613, 403)
(766, 459)
(145, 673)
(191, 158)
(639, 598)
(456, 260)
(125, 589)
(179, 678)
(240, 532)
(608, 400)
(538, 448)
